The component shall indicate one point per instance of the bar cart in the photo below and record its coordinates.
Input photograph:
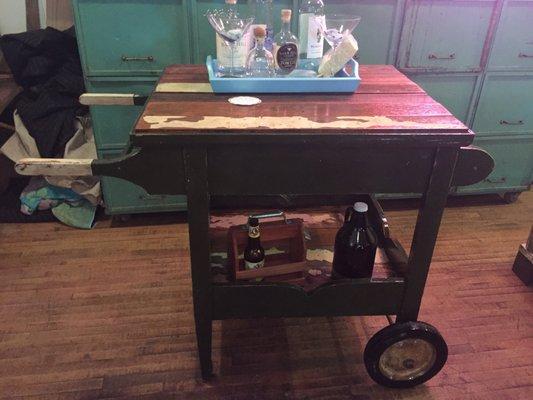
(389, 137)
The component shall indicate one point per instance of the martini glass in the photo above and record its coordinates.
(337, 26)
(230, 28)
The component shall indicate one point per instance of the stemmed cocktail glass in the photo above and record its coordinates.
(230, 28)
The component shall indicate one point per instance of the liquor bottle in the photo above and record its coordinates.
(242, 47)
(312, 21)
(355, 245)
(262, 12)
(254, 254)
(260, 62)
(286, 46)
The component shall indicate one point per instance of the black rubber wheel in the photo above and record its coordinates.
(511, 197)
(405, 355)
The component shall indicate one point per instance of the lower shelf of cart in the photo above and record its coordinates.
(371, 296)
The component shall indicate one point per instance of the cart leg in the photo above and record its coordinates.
(426, 230)
(198, 218)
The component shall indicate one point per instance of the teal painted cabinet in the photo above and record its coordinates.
(473, 56)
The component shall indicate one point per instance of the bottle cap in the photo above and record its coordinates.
(259, 32)
(231, 1)
(253, 222)
(286, 14)
(360, 207)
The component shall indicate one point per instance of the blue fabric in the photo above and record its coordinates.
(68, 206)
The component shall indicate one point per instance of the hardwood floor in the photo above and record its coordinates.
(107, 314)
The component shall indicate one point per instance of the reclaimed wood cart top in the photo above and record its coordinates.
(387, 104)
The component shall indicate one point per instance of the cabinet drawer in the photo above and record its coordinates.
(445, 35)
(123, 197)
(113, 124)
(513, 45)
(455, 92)
(125, 37)
(505, 105)
(513, 158)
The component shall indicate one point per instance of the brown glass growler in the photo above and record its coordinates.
(355, 245)
(254, 254)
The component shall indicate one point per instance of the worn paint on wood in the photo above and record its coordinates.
(279, 123)
(54, 167)
(184, 87)
(387, 102)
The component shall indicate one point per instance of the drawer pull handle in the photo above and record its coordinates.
(436, 57)
(504, 122)
(151, 197)
(148, 58)
(524, 55)
(498, 180)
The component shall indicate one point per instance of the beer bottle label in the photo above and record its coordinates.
(287, 56)
(253, 232)
(252, 265)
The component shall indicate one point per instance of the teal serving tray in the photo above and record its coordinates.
(282, 85)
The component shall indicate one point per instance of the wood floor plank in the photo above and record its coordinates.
(107, 314)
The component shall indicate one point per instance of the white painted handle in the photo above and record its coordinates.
(54, 167)
(108, 99)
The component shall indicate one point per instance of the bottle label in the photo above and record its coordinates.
(253, 232)
(252, 265)
(315, 39)
(242, 49)
(287, 56)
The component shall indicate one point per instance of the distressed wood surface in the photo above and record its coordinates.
(111, 99)
(107, 314)
(386, 104)
(54, 167)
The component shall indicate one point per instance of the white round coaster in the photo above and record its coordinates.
(244, 101)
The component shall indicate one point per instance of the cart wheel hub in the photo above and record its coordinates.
(407, 359)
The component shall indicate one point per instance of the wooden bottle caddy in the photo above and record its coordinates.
(285, 235)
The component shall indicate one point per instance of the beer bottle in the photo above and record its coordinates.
(355, 245)
(254, 254)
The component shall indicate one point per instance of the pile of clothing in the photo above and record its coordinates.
(50, 122)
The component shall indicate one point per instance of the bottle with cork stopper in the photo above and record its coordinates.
(260, 62)
(286, 46)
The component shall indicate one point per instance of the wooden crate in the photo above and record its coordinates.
(285, 236)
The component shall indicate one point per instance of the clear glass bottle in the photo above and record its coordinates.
(262, 13)
(286, 46)
(242, 47)
(260, 62)
(312, 19)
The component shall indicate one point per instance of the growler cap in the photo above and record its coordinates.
(360, 207)
(286, 14)
(253, 221)
(259, 32)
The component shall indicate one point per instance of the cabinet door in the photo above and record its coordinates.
(513, 45)
(113, 124)
(505, 105)
(123, 197)
(131, 37)
(513, 158)
(377, 29)
(455, 92)
(445, 35)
